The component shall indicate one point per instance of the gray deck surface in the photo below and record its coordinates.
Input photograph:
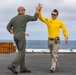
(39, 64)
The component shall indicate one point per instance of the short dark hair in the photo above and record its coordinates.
(55, 10)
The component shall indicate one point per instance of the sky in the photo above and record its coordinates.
(37, 29)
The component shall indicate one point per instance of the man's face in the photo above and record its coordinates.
(54, 15)
(23, 11)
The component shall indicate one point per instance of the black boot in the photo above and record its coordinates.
(25, 71)
(12, 68)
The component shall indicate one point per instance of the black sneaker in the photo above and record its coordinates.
(57, 68)
(52, 70)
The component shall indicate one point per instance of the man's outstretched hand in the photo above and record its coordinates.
(38, 8)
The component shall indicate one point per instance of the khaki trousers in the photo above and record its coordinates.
(54, 52)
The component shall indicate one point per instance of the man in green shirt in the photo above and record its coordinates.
(17, 26)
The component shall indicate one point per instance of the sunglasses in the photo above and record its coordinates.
(24, 9)
(54, 14)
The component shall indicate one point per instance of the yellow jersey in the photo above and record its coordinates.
(53, 26)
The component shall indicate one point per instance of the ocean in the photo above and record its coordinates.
(43, 44)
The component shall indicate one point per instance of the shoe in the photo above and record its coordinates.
(25, 71)
(52, 70)
(57, 65)
(57, 68)
(12, 68)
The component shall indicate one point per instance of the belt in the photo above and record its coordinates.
(54, 38)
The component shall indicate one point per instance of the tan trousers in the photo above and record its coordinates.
(54, 52)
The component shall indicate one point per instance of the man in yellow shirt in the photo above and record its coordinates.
(53, 25)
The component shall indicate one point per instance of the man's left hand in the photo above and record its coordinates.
(11, 31)
(66, 40)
